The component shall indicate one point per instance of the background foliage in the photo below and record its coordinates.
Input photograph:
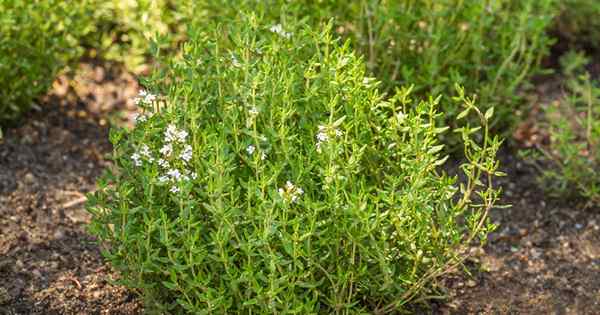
(572, 157)
(38, 38)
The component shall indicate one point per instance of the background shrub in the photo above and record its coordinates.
(578, 23)
(272, 177)
(489, 47)
(572, 157)
(124, 29)
(38, 38)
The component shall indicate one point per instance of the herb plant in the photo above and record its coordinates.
(489, 47)
(571, 159)
(38, 38)
(269, 175)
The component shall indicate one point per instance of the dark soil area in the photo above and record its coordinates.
(543, 259)
(48, 263)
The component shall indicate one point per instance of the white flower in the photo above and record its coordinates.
(250, 149)
(145, 152)
(186, 154)
(174, 189)
(163, 163)
(136, 159)
(278, 29)
(235, 62)
(324, 135)
(174, 174)
(144, 97)
(166, 150)
(263, 156)
(182, 135)
(253, 111)
(290, 192)
(163, 179)
(194, 175)
(171, 133)
(139, 118)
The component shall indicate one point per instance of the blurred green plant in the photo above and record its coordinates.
(125, 28)
(570, 162)
(578, 23)
(38, 38)
(268, 174)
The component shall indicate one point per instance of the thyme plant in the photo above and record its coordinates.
(571, 160)
(269, 175)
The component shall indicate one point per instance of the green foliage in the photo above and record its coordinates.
(124, 29)
(573, 123)
(38, 38)
(578, 22)
(268, 175)
(489, 47)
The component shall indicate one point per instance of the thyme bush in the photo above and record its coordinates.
(269, 175)
(38, 38)
(571, 159)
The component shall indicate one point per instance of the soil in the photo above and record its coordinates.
(49, 264)
(543, 259)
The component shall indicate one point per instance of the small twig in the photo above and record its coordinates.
(74, 202)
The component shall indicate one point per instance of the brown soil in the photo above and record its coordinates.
(48, 262)
(543, 259)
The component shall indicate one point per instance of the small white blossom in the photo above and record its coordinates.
(163, 163)
(235, 62)
(174, 189)
(136, 159)
(172, 134)
(278, 29)
(140, 118)
(250, 149)
(290, 192)
(174, 174)
(194, 175)
(144, 97)
(163, 179)
(263, 156)
(253, 111)
(182, 135)
(145, 152)
(166, 150)
(186, 154)
(324, 135)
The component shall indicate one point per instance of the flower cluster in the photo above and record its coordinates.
(173, 150)
(144, 99)
(325, 134)
(290, 192)
(278, 29)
